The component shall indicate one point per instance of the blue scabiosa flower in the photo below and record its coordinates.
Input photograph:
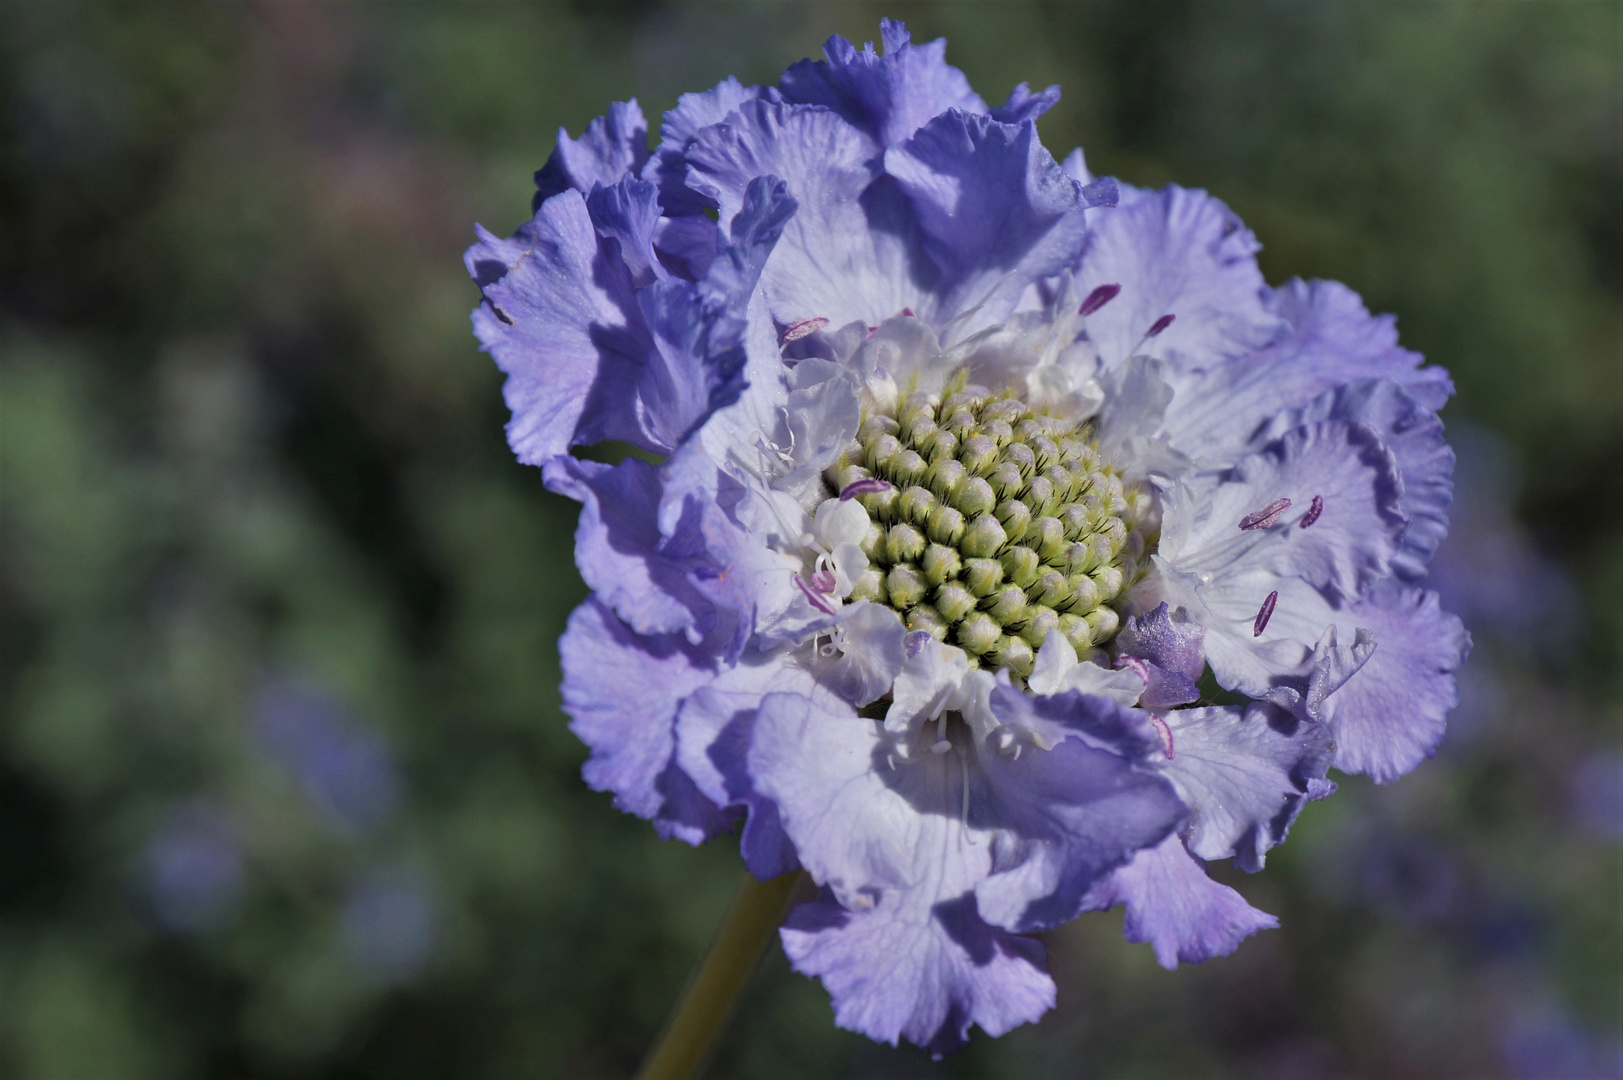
(973, 470)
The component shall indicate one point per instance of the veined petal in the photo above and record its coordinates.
(713, 736)
(1180, 253)
(1245, 775)
(907, 968)
(1066, 816)
(677, 130)
(560, 318)
(996, 210)
(887, 97)
(612, 146)
(1331, 339)
(1414, 435)
(702, 328)
(1389, 717)
(1344, 465)
(851, 252)
(1174, 906)
(620, 549)
(622, 691)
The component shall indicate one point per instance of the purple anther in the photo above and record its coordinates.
(1098, 298)
(1266, 613)
(804, 328)
(1313, 511)
(868, 485)
(1166, 734)
(1265, 518)
(1159, 325)
(818, 600)
(824, 581)
(909, 313)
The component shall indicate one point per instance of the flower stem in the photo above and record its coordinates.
(710, 995)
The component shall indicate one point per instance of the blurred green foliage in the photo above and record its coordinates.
(285, 790)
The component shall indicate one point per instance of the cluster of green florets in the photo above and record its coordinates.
(1001, 524)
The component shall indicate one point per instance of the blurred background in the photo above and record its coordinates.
(285, 790)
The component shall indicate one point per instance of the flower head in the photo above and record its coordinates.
(975, 469)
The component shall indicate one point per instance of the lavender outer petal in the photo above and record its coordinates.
(918, 971)
(622, 691)
(886, 97)
(1174, 906)
(1390, 716)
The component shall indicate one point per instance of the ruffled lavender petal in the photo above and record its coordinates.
(713, 736)
(1181, 253)
(1350, 544)
(677, 130)
(850, 253)
(628, 213)
(560, 318)
(886, 97)
(1022, 104)
(622, 692)
(1415, 436)
(621, 552)
(924, 972)
(1390, 716)
(613, 146)
(863, 825)
(1245, 775)
(1331, 340)
(702, 328)
(1174, 906)
(997, 211)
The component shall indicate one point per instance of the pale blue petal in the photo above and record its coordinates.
(1330, 340)
(560, 319)
(622, 692)
(1245, 775)
(886, 97)
(997, 212)
(1180, 253)
(613, 146)
(1174, 906)
(1415, 436)
(851, 252)
(1343, 464)
(1389, 717)
(924, 972)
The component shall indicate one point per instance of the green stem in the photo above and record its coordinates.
(710, 995)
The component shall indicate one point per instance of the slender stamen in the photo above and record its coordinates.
(1159, 325)
(1098, 298)
(1166, 734)
(1265, 518)
(804, 328)
(816, 598)
(1267, 612)
(1313, 512)
(870, 485)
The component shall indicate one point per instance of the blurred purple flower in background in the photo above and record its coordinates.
(1545, 1043)
(345, 770)
(1596, 795)
(389, 923)
(193, 868)
(1488, 570)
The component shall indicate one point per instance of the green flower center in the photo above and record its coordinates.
(1001, 523)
